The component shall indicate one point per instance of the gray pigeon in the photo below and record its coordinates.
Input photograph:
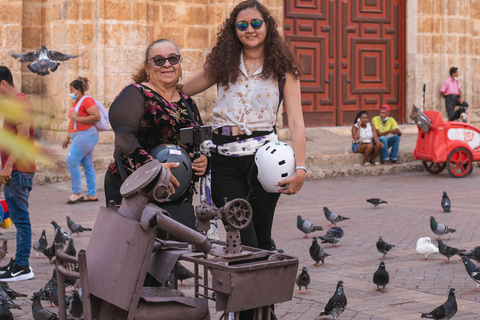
(303, 280)
(439, 229)
(332, 217)
(5, 313)
(75, 227)
(70, 250)
(473, 254)
(44, 63)
(446, 204)
(332, 236)
(448, 251)
(381, 277)
(472, 270)
(75, 307)
(41, 244)
(384, 247)
(337, 303)
(317, 253)
(60, 235)
(445, 311)
(39, 313)
(5, 298)
(376, 201)
(306, 226)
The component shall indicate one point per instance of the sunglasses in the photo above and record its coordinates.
(160, 61)
(243, 25)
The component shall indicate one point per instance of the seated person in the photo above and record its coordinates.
(384, 126)
(453, 97)
(363, 136)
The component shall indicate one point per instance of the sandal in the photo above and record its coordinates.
(396, 161)
(74, 199)
(366, 164)
(89, 200)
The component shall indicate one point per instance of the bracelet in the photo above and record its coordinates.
(301, 167)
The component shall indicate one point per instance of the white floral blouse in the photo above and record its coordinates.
(250, 103)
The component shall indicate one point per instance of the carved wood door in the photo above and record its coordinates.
(353, 57)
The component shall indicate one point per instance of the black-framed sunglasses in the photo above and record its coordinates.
(243, 25)
(160, 61)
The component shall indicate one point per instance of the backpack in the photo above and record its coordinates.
(102, 124)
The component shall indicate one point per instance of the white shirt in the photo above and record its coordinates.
(366, 134)
(250, 103)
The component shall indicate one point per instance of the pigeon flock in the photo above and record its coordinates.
(381, 278)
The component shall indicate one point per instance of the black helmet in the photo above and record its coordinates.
(183, 173)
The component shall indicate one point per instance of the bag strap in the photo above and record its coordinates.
(120, 166)
(77, 107)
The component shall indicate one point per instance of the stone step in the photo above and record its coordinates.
(324, 160)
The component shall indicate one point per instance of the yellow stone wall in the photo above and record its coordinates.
(442, 34)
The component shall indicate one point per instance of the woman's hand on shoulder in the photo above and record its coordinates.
(199, 165)
(293, 184)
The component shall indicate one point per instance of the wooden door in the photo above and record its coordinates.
(353, 57)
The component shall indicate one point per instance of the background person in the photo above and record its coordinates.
(453, 97)
(363, 135)
(19, 176)
(84, 135)
(385, 125)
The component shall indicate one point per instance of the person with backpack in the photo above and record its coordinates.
(82, 130)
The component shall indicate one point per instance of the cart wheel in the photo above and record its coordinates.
(459, 162)
(433, 167)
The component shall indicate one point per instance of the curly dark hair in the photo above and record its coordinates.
(222, 64)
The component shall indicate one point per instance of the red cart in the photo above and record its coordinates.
(441, 144)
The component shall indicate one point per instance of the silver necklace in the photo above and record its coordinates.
(252, 65)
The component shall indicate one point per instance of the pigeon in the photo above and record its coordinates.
(41, 244)
(5, 313)
(381, 277)
(376, 201)
(448, 251)
(438, 228)
(446, 203)
(49, 292)
(10, 292)
(75, 227)
(39, 313)
(384, 247)
(332, 217)
(71, 249)
(306, 226)
(183, 273)
(317, 253)
(332, 236)
(75, 307)
(3, 249)
(445, 311)
(472, 270)
(49, 252)
(337, 304)
(7, 299)
(426, 247)
(473, 254)
(303, 280)
(44, 63)
(61, 235)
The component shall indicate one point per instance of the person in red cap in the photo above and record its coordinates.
(386, 125)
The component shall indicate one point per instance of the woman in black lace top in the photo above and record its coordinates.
(150, 113)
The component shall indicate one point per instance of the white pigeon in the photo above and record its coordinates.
(426, 247)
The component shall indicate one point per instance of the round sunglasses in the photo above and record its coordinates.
(160, 61)
(243, 25)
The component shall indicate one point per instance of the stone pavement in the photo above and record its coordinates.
(415, 286)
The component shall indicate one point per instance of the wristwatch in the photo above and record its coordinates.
(301, 167)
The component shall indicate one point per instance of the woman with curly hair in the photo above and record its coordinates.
(254, 70)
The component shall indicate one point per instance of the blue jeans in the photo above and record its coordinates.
(390, 142)
(17, 201)
(81, 152)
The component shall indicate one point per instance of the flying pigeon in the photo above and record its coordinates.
(332, 217)
(438, 228)
(337, 304)
(41, 244)
(303, 280)
(473, 254)
(445, 311)
(39, 313)
(472, 270)
(446, 203)
(44, 63)
(381, 277)
(448, 251)
(3, 249)
(426, 247)
(384, 247)
(61, 235)
(75, 227)
(332, 236)
(75, 307)
(306, 226)
(376, 201)
(317, 253)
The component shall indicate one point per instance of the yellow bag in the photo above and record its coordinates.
(7, 222)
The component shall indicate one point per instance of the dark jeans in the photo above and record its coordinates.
(16, 196)
(451, 101)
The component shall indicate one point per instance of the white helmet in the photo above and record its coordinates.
(275, 162)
